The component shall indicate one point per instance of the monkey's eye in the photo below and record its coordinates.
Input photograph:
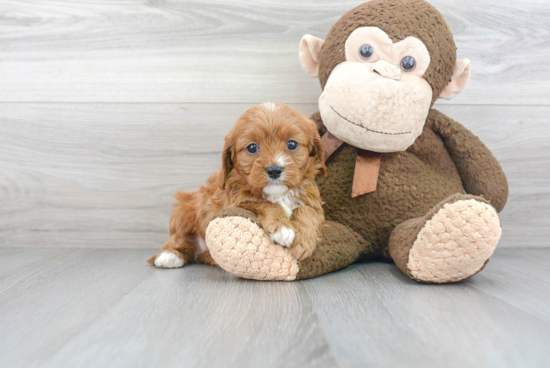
(252, 149)
(408, 63)
(366, 51)
(292, 145)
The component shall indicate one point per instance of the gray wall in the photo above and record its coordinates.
(108, 108)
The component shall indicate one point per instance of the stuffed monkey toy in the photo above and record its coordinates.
(404, 181)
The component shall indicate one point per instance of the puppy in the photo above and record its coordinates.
(270, 160)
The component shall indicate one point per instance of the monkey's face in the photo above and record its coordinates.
(383, 66)
(377, 99)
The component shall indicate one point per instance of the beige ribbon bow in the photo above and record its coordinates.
(367, 165)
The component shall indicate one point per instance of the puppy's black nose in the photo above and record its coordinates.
(274, 171)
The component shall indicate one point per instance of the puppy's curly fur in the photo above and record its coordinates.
(261, 172)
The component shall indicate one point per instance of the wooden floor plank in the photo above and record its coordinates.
(42, 311)
(238, 51)
(521, 277)
(373, 315)
(16, 264)
(202, 316)
(107, 308)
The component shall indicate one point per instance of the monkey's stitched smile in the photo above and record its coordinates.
(370, 130)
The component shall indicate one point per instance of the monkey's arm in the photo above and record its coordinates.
(480, 171)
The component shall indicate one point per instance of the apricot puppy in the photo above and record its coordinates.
(270, 160)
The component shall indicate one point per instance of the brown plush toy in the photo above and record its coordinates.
(404, 181)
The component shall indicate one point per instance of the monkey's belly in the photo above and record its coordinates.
(407, 187)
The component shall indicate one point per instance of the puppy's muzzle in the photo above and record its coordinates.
(274, 172)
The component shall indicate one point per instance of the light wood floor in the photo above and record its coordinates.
(108, 308)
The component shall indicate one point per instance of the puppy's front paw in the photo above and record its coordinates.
(283, 236)
(168, 259)
(301, 250)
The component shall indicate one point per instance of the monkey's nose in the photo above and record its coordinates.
(387, 70)
(274, 172)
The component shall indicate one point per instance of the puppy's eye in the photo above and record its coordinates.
(292, 145)
(366, 51)
(252, 149)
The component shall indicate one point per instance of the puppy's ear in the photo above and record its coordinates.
(317, 149)
(227, 158)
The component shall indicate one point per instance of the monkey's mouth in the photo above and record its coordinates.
(367, 129)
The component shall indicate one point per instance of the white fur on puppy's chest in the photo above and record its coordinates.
(288, 199)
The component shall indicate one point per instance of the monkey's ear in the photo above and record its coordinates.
(459, 79)
(227, 159)
(310, 47)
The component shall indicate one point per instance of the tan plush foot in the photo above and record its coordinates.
(242, 248)
(455, 242)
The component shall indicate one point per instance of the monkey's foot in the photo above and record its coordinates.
(241, 247)
(451, 243)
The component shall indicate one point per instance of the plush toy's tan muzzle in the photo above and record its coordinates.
(375, 107)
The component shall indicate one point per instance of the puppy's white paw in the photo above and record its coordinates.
(168, 259)
(284, 236)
